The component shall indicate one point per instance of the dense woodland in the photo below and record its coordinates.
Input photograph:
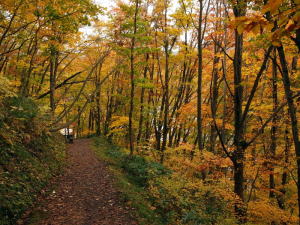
(208, 88)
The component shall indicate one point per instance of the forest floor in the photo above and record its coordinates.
(84, 194)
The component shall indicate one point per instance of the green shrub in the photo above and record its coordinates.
(111, 151)
(21, 107)
(142, 170)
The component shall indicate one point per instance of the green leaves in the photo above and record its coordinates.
(142, 170)
(144, 83)
(21, 108)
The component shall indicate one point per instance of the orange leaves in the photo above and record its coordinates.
(253, 23)
(287, 21)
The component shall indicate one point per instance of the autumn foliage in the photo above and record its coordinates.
(209, 89)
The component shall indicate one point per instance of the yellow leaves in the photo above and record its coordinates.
(185, 147)
(119, 121)
(119, 125)
(23, 63)
(286, 27)
(272, 6)
(263, 212)
(220, 123)
(183, 19)
(253, 23)
(290, 25)
(240, 28)
(276, 43)
(219, 54)
(5, 87)
(173, 31)
(288, 20)
(229, 126)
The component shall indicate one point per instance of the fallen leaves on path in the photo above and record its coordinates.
(85, 193)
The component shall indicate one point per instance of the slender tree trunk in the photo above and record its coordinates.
(239, 142)
(199, 82)
(239, 129)
(98, 106)
(273, 128)
(166, 91)
(132, 71)
(292, 113)
(284, 178)
(214, 101)
(78, 122)
(109, 109)
(224, 68)
(150, 97)
(53, 69)
(178, 136)
(214, 89)
(141, 119)
(172, 134)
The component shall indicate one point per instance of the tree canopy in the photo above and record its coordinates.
(208, 88)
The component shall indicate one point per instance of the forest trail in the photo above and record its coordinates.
(85, 193)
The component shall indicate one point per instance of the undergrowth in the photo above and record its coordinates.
(29, 156)
(159, 194)
(132, 188)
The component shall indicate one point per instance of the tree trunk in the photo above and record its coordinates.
(292, 113)
(214, 101)
(141, 119)
(132, 71)
(166, 90)
(53, 71)
(199, 82)
(273, 128)
(239, 142)
(98, 106)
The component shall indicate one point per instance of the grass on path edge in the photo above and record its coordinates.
(132, 194)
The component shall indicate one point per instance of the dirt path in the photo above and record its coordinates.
(85, 194)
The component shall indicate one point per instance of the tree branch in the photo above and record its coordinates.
(269, 120)
(65, 82)
(255, 85)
